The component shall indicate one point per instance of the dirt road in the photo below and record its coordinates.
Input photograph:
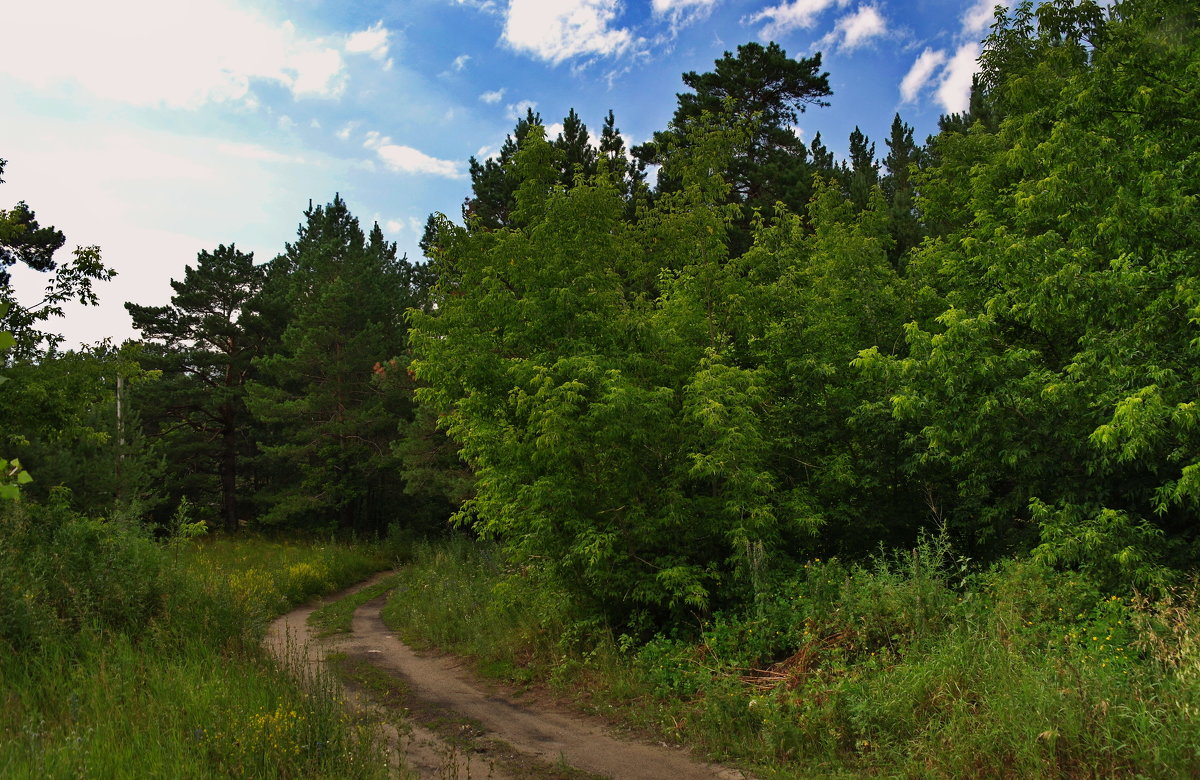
(444, 722)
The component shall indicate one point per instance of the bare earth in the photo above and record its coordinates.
(441, 721)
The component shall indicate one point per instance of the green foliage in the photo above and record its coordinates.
(203, 343)
(1051, 397)
(61, 573)
(911, 664)
(62, 413)
(761, 89)
(566, 384)
(128, 656)
(329, 425)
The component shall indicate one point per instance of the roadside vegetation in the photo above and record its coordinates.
(913, 664)
(125, 656)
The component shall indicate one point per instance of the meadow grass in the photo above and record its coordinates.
(907, 665)
(107, 675)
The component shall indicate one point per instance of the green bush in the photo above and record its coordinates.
(61, 573)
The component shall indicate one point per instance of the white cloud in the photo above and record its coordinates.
(857, 28)
(346, 129)
(787, 16)
(564, 29)
(399, 225)
(372, 41)
(920, 73)
(977, 18)
(171, 196)
(179, 54)
(553, 130)
(285, 122)
(954, 81)
(954, 93)
(460, 62)
(664, 7)
(491, 98)
(487, 153)
(681, 12)
(519, 110)
(405, 159)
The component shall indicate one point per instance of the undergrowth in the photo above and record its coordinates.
(908, 664)
(126, 656)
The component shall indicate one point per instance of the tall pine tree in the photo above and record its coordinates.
(330, 425)
(204, 342)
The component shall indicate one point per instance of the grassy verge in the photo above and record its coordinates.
(335, 617)
(906, 666)
(122, 657)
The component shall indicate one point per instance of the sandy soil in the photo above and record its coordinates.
(441, 721)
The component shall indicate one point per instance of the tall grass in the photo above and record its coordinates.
(906, 665)
(124, 657)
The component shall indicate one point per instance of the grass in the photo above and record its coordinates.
(123, 657)
(902, 666)
(335, 617)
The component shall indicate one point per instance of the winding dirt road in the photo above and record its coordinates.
(441, 721)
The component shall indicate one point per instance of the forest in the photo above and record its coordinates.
(878, 465)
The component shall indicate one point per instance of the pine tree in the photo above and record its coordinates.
(493, 187)
(765, 91)
(206, 339)
(897, 186)
(863, 172)
(331, 426)
(575, 152)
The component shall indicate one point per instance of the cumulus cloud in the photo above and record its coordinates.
(977, 18)
(372, 41)
(182, 55)
(565, 29)
(954, 93)
(397, 226)
(519, 110)
(787, 16)
(493, 97)
(952, 74)
(920, 73)
(460, 62)
(405, 159)
(344, 132)
(855, 29)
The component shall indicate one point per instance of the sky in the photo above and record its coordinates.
(159, 129)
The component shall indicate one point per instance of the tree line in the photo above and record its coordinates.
(661, 398)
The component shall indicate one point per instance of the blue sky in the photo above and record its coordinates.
(156, 129)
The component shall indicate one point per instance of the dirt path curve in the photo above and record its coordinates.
(508, 737)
